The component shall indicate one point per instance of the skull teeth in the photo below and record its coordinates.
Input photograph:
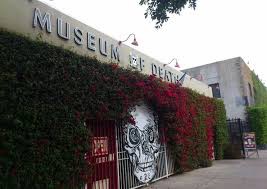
(146, 166)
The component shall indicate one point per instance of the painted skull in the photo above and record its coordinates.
(142, 143)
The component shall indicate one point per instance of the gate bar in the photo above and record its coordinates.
(118, 169)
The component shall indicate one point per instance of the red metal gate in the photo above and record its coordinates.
(103, 155)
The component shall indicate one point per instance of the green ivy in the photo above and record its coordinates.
(258, 120)
(47, 93)
(260, 91)
(221, 130)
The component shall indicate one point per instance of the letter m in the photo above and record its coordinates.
(43, 21)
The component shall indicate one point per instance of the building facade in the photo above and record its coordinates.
(39, 21)
(231, 81)
(114, 150)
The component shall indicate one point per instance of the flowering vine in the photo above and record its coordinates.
(47, 94)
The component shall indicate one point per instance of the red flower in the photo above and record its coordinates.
(78, 116)
(103, 108)
(122, 78)
(114, 66)
(92, 89)
(131, 120)
(140, 84)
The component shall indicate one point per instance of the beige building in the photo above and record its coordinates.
(39, 21)
(231, 81)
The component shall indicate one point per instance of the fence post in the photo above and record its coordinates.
(230, 129)
(241, 137)
(165, 153)
(117, 151)
(166, 161)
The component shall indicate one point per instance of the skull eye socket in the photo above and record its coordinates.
(134, 136)
(151, 136)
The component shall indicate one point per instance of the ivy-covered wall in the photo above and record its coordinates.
(46, 94)
(257, 117)
(221, 130)
(260, 91)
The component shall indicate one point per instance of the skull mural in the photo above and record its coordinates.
(142, 143)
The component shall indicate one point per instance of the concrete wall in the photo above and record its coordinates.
(247, 79)
(18, 16)
(233, 76)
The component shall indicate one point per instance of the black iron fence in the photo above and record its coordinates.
(236, 128)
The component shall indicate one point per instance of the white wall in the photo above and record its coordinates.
(17, 16)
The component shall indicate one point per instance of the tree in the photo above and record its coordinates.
(159, 9)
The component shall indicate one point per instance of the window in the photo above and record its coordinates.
(215, 90)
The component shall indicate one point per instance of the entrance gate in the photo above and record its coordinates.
(236, 128)
(127, 179)
(103, 156)
(111, 165)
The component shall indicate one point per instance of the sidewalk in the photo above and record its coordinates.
(224, 174)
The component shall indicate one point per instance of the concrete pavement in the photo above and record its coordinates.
(224, 174)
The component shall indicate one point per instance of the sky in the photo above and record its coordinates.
(216, 30)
